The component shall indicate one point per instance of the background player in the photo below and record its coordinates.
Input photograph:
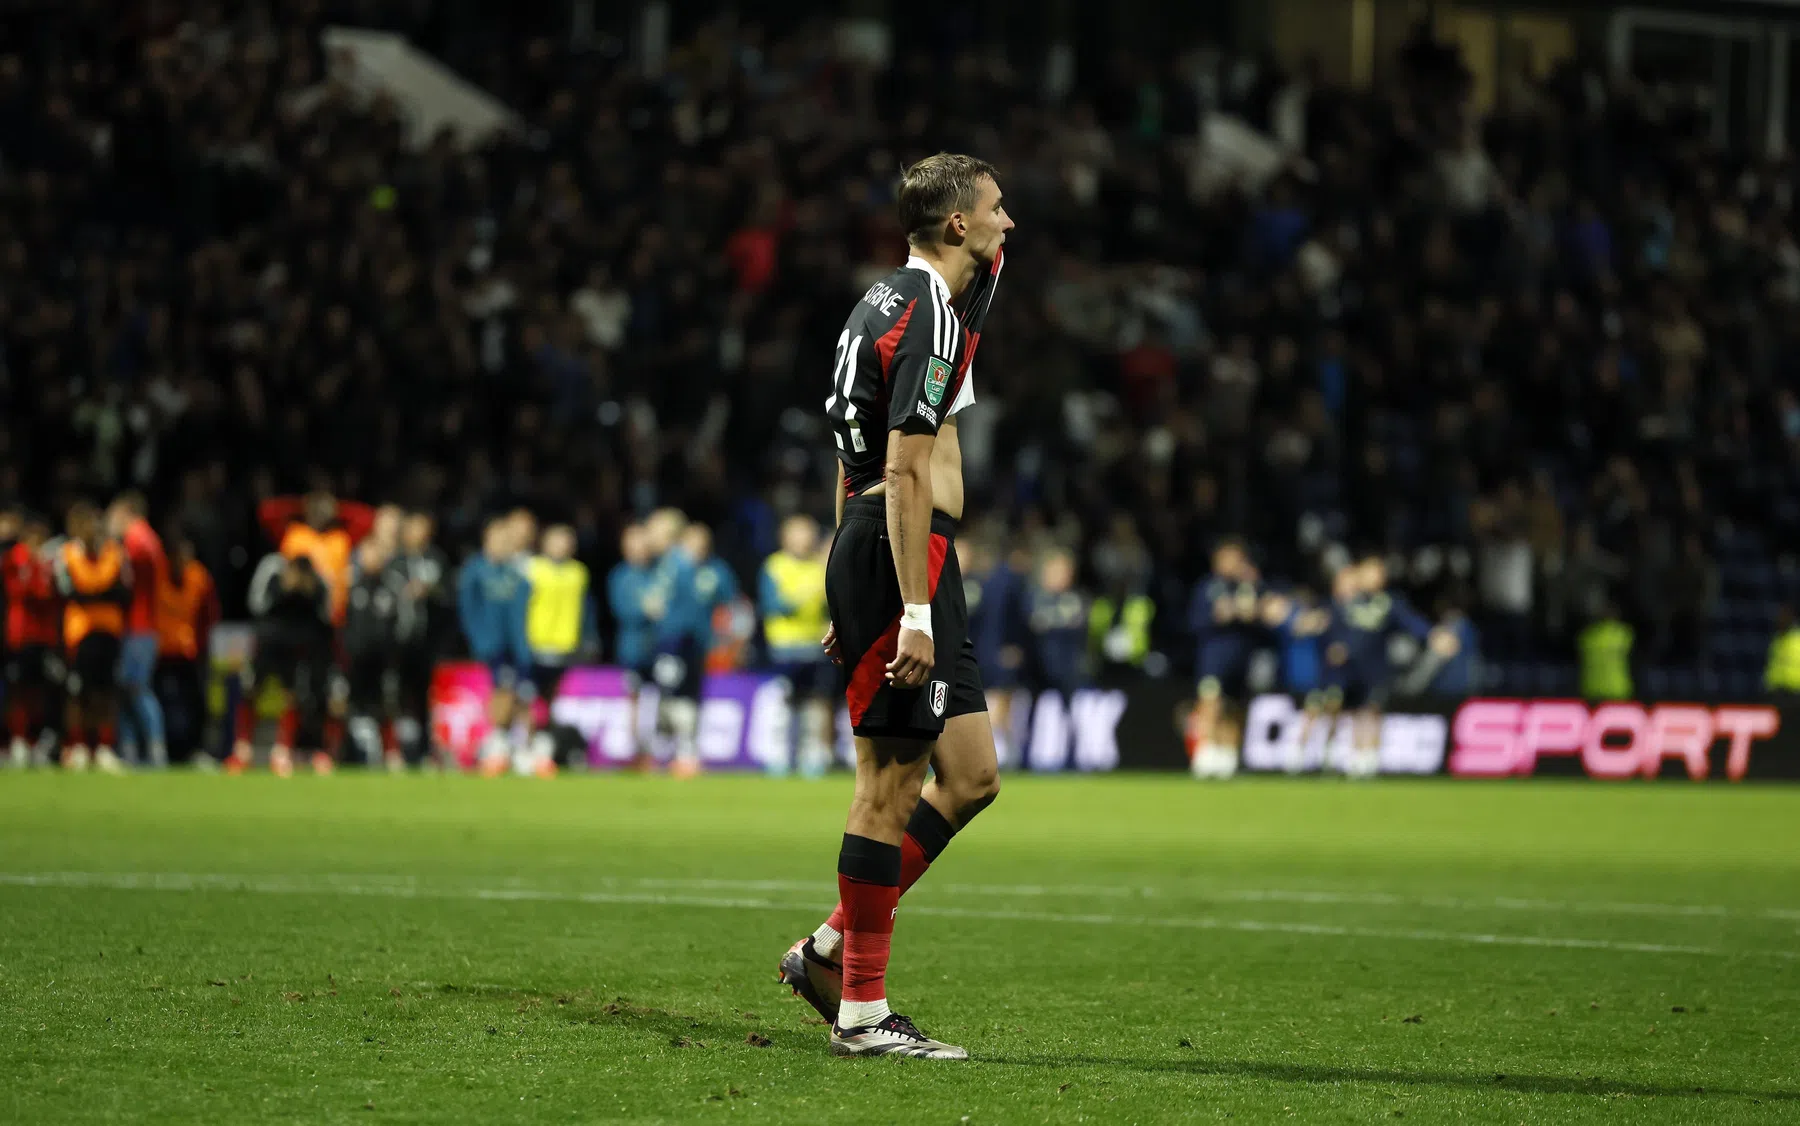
(186, 614)
(671, 602)
(1365, 616)
(995, 585)
(293, 644)
(424, 574)
(634, 637)
(373, 623)
(899, 619)
(1225, 617)
(715, 590)
(492, 594)
(791, 598)
(140, 713)
(560, 628)
(93, 575)
(33, 632)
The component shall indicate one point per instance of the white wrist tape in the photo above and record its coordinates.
(917, 616)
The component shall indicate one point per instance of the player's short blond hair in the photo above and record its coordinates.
(934, 189)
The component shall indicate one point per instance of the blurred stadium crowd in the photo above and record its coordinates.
(1540, 362)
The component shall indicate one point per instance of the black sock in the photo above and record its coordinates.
(869, 861)
(931, 829)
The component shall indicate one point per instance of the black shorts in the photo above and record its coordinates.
(370, 678)
(32, 666)
(1352, 694)
(413, 665)
(301, 664)
(1225, 667)
(547, 679)
(863, 594)
(94, 666)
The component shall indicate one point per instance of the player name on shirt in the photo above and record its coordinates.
(903, 362)
(884, 297)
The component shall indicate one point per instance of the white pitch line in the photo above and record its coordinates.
(1039, 891)
(1265, 895)
(399, 889)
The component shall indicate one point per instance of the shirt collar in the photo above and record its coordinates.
(914, 262)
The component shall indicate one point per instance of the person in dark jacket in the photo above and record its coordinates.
(377, 617)
(293, 641)
(1057, 615)
(424, 577)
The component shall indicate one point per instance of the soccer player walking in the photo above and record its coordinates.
(899, 623)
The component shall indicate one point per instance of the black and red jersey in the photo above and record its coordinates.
(904, 362)
(33, 607)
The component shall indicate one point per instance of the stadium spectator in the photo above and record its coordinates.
(1505, 571)
(185, 616)
(1440, 304)
(1606, 654)
(1783, 675)
(1690, 591)
(1123, 611)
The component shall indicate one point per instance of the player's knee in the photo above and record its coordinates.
(972, 793)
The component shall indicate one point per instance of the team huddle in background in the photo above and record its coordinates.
(92, 613)
(109, 629)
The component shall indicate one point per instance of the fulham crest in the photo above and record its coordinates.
(940, 693)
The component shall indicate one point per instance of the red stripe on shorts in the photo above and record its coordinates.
(871, 672)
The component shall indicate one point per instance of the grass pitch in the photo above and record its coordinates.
(427, 949)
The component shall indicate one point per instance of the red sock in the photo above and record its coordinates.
(912, 866)
(332, 735)
(927, 835)
(73, 737)
(18, 720)
(104, 732)
(285, 729)
(869, 888)
(388, 744)
(246, 721)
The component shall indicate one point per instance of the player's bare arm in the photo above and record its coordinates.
(909, 530)
(830, 641)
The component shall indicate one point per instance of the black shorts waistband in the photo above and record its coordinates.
(875, 509)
